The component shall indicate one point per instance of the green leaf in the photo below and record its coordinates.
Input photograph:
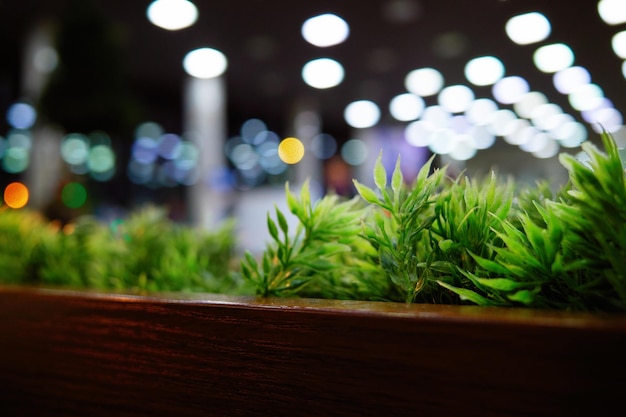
(501, 284)
(397, 180)
(524, 296)
(467, 295)
(271, 226)
(366, 193)
(292, 202)
(282, 222)
(490, 266)
(447, 244)
(380, 175)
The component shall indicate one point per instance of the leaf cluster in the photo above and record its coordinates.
(459, 240)
(144, 252)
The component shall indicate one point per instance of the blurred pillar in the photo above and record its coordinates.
(205, 121)
(46, 166)
(306, 125)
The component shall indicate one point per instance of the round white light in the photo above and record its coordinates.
(172, 14)
(553, 58)
(362, 114)
(566, 80)
(322, 73)
(618, 43)
(525, 106)
(406, 107)
(424, 81)
(484, 70)
(586, 97)
(510, 89)
(205, 63)
(479, 111)
(418, 133)
(528, 28)
(325, 30)
(455, 98)
(612, 12)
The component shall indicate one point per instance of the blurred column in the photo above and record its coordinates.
(46, 166)
(306, 125)
(205, 120)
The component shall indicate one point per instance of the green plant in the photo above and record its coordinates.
(324, 256)
(573, 256)
(436, 239)
(144, 252)
(461, 240)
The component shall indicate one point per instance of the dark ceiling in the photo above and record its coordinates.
(266, 52)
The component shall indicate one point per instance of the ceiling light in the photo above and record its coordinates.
(325, 30)
(484, 70)
(612, 12)
(553, 58)
(619, 44)
(362, 114)
(510, 89)
(205, 63)
(566, 80)
(172, 14)
(455, 98)
(322, 73)
(406, 107)
(528, 28)
(424, 81)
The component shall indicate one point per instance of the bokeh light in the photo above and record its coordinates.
(325, 30)
(21, 115)
(525, 106)
(424, 81)
(612, 12)
(75, 149)
(406, 107)
(484, 70)
(510, 89)
(16, 195)
(172, 14)
(455, 98)
(566, 80)
(553, 58)
(205, 63)
(323, 146)
(479, 111)
(354, 152)
(73, 195)
(528, 28)
(149, 129)
(322, 73)
(291, 150)
(586, 97)
(101, 159)
(618, 42)
(362, 114)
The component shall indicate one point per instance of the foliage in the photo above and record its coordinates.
(145, 252)
(437, 239)
(324, 257)
(461, 240)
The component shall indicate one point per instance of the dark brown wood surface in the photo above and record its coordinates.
(88, 354)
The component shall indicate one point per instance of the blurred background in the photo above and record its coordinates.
(209, 107)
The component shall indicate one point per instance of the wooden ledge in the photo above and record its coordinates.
(89, 353)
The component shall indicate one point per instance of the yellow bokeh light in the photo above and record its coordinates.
(291, 150)
(16, 195)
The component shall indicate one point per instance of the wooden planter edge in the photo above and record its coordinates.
(82, 353)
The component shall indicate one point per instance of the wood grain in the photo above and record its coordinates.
(89, 354)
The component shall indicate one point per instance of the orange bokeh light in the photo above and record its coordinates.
(16, 195)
